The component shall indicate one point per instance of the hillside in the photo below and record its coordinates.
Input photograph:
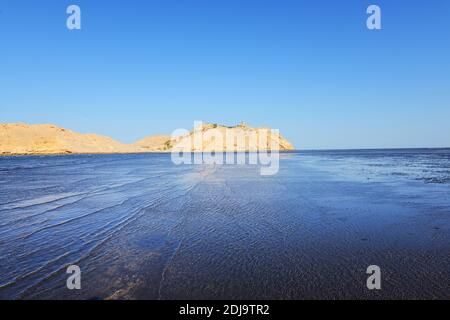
(24, 139)
(50, 139)
(230, 139)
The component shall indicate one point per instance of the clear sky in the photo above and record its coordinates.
(310, 68)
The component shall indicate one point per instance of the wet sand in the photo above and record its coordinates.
(142, 228)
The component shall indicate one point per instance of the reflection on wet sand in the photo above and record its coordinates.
(140, 227)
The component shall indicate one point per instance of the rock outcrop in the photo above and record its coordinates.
(240, 138)
(24, 139)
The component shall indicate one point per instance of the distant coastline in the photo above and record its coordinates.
(19, 139)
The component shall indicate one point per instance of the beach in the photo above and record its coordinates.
(140, 227)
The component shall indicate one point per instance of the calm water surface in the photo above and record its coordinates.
(140, 227)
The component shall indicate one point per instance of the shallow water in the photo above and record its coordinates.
(140, 227)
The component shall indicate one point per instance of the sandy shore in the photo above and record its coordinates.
(140, 227)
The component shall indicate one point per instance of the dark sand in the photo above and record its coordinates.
(142, 228)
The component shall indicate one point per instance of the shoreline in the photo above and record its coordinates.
(3, 154)
(130, 153)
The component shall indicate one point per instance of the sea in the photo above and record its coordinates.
(138, 226)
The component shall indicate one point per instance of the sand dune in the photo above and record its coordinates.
(24, 139)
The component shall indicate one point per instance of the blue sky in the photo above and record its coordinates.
(310, 68)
